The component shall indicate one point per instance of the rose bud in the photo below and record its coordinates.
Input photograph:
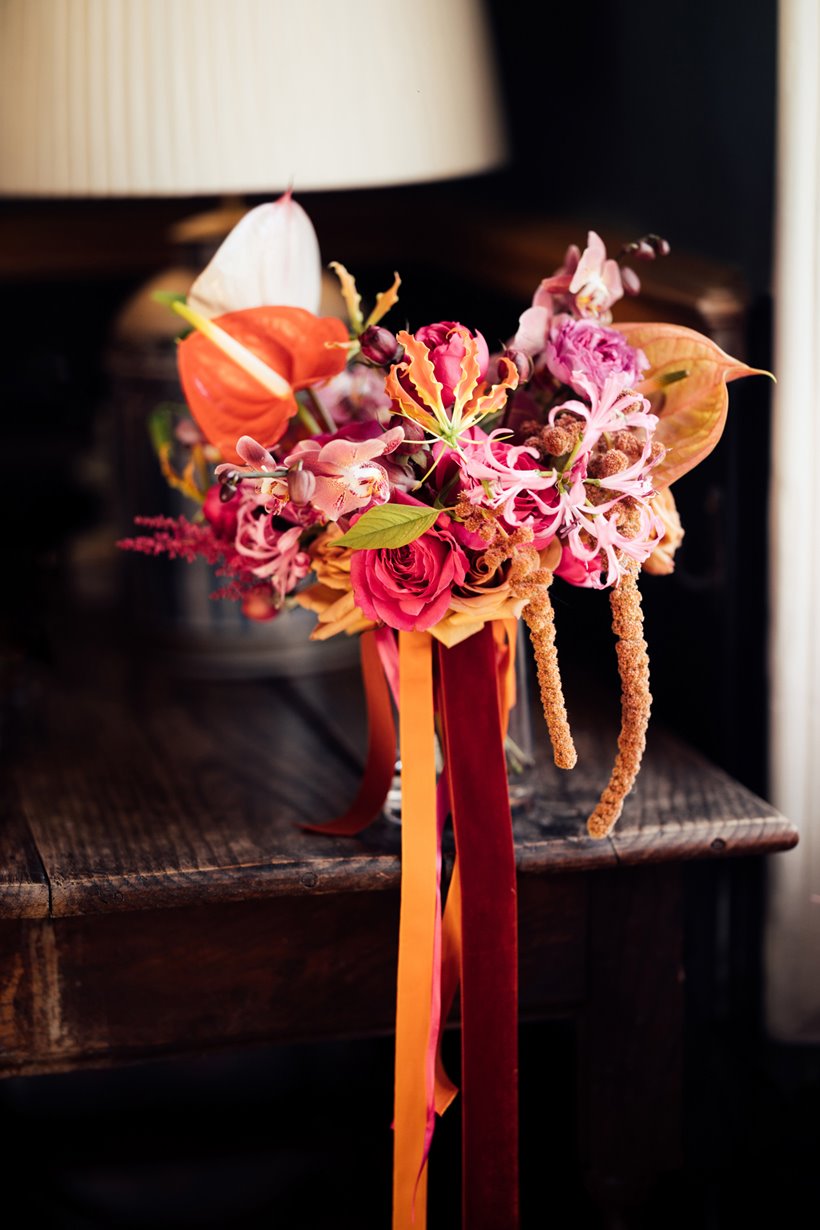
(301, 485)
(379, 346)
(220, 509)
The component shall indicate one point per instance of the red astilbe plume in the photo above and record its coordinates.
(179, 538)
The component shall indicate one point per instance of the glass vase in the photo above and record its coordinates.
(518, 744)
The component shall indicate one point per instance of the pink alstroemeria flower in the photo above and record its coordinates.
(346, 473)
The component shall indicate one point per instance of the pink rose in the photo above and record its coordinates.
(446, 352)
(409, 587)
(585, 348)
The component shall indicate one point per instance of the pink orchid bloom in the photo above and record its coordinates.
(533, 329)
(270, 257)
(346, 473)
(596, 283)
(257, 459)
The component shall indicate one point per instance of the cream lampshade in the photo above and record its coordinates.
(134, 98)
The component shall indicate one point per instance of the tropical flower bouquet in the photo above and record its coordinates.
(419, 491)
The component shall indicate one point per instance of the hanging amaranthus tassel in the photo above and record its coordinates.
(636, 699)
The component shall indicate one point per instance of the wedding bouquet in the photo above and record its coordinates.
(413, 487)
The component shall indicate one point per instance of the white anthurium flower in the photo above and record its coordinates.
(270, 257)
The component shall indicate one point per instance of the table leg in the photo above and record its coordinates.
(631, 1037)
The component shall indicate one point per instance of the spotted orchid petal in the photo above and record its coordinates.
(270, 257)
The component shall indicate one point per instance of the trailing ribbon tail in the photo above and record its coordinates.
(489, 956)
(419, 937)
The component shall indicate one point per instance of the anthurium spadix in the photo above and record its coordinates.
(240, 372)
(270, 256)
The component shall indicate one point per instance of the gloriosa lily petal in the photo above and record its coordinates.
(419, 369)
(470, 375)
(406, 403)
(351, 296)
(385, 299)
(496, 396)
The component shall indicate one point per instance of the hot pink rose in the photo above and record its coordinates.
(410, 587)
(446, 352)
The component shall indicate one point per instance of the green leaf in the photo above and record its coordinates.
(389, 526)
(161, 426)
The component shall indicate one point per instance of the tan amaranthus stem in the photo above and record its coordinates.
(528, 579)
(540, 620)
(636, 701)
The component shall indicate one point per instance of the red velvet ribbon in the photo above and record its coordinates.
(476, 943)
(489, 932)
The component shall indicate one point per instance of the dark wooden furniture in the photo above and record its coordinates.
(157, 896)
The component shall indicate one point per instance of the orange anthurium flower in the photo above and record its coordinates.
(240, 372)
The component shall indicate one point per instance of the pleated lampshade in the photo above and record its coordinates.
(133, 98)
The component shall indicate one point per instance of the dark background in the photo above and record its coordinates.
(623, 118)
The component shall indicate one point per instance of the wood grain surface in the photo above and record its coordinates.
(133, 789)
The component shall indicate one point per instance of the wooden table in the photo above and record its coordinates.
(157, 896)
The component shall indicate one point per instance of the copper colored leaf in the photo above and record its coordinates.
(692, 408)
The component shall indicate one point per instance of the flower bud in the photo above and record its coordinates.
(522, 363)
(644, 251)
(379, 345)
(630, 281)
(301, 485)
(660, 245)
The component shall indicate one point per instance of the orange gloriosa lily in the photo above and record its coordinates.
(241, 371)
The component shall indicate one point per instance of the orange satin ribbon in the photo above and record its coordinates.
(430, 945)
(417, 931)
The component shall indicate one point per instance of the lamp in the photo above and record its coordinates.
(198, 97)
(187, 98)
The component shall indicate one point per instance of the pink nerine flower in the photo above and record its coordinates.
(585, 348)
(612, 408)
(346, 474)
(509, 478)
(447, 350)
(270, 553)
(409, 587)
